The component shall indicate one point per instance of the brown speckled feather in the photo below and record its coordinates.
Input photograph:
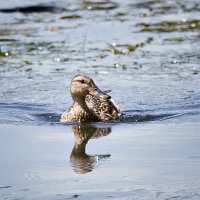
(104, 109)
(77, 114)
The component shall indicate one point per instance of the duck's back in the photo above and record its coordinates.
(104, 109)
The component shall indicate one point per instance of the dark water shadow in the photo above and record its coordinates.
(81, 161)
(48, 7)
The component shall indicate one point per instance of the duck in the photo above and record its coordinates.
(90, 104)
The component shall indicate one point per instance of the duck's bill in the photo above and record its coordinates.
(95, 91)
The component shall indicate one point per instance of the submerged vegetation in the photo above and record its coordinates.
(124, 49)
(170, 26)
(72, 16)
(99, 5)
(75, 36)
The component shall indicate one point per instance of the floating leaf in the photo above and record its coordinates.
(127, 48)
(99, 5)
(132, 48)
(149, 40)
(4, 54)
(174, 40)
(119, 14)
(114, 50)
(70, 17)
(118, 65)
(7, 40)
(27, 62)
(102, 56)
(65, 59)
(170, 26)
(60, 69)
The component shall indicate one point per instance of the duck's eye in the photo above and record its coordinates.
(82, 81)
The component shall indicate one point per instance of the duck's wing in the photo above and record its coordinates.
(67, 115)
(104, 109)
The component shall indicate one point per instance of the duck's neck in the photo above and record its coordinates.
(80, 101)
(83, 112)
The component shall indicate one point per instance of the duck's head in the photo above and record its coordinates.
(83, 85)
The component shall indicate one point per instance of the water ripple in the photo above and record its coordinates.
(40, 114)
(175, 113)
(27, 113)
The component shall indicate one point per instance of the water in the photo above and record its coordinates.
(147, 53)
(120, 162)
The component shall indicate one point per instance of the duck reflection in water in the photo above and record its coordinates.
(80, 160)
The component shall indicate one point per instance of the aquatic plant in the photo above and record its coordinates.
(123, 49)
(72, 16)
(170, 26)
(99, 5)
